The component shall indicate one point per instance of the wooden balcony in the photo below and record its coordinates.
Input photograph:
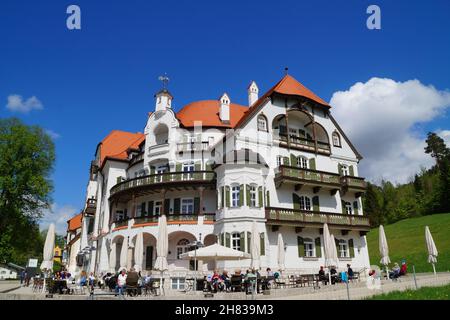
(91, 207)
(299, 143)
(168, 181)
(353, 184)
(303, 218)
(299, 177)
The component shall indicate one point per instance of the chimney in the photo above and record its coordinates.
(163, 100)
(224, 113)
(252, 93)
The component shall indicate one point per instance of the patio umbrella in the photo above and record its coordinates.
(49, 249)
(255, 247)
(384, 250)
(162, 247)
(432, 250)
(281, 253)
(334, 256)
(139, 252)
(124, 254)
(112, 257)
(328, 249)
(84, 237)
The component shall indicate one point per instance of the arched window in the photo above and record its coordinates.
(262, 123)
(302, 162)
(182, 247)
(236, 241)
(305, 203)
(310, 248)
(336, 139)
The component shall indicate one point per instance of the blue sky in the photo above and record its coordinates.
(104, 76)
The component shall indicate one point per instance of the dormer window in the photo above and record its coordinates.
(262, 123)
(336, 140)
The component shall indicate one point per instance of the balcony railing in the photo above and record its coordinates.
(192, 146)
(308, 176)
(137, 158)
(170, 218)
(304, 217)
(164, 178)
(121, 223)
(305, 144)
(158, 149)
(91, 206)
(354, 183)
(209, 217)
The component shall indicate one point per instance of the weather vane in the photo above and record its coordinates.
(164, 79)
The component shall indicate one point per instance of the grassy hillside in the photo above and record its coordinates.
(424, 293)
(406, 239)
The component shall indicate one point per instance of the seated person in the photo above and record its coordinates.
(269, 272)
(226, 280)
(322, 275)
(132, 279)
(403, 268)
(395, 273)
(83, 278)
(334, 277)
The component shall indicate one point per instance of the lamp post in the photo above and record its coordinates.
(196, 245)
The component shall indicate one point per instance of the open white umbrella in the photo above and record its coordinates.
(384, 250)
(49, 251)
(432, 250)
(215, 252)
(112, 257)
(162, 247)
(281, 253)
(255, 247)
(139, 252)
(124, 254)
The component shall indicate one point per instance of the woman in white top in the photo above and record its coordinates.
(121, 282)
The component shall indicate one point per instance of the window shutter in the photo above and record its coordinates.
(247, 194)
(197, 205)
(262, 244)
(267, 199)
(343, 207)
(301, 247)
(312, 164)
(249, 241)
(293, 161)
(150, 208)
(336, 241)
(260, 197)
(316, 205)
(351, 248)
(242, 240)
(222, 197)
(227, 240)
(296, 201)
(227, 196)
(208, 166)
(176, 206)
(351, 171)
(340, 169)
(166, 206)
(241, 195)
(318, 248)
(286, 161)
(178, 168)
(118, 180)
(355, 208)
(152, 170)
(197, 168)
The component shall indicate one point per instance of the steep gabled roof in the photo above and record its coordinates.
(74, 223)
(116, 144)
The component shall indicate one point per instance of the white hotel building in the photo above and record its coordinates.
(286, 165)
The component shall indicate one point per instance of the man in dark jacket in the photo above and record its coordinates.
(132, 280)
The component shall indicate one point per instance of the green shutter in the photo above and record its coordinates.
(343, 207)
(242, 246)
(208, 166)
(286, 161)
(118, 180)
(267, 198)
(260, 197)
(351, 248)
(293, 160)
(337, 246)
(222, 197)
(355, 208)
(296, 201)
(340, 169)
(241, 195)
(351, 171)
(227, 196)
(262, 244)
(316, 205)
(152, 170)
(312, 164)
(166, 206)
(150, 208)
(227, 240)
(318, 248)
(178, 168)
(197, 205)
(249, 241)
(197, 168)
(247, 194)
(176, 206)
(301, 247)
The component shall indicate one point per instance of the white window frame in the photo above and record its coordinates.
(348, 208)
(279, 161)
(188, 168)
(262, 123)
(302, 162)
(253, 195)
(310, 248)
(157, 207)
(305, 203)
(187, 206)
(336, 139)
(235, 194)
(182, 247)
(344, 251)
(345, 170)
(236, 241)
(178, 283)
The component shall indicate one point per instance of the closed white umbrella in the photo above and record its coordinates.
(281, 253)
(49, 249)
(328, 249)
(384, 250)
(432, 250)
(334, 256)
(84, 237)
(112, 257)
(139, 252)
(255, 247)
(124, 254)
(162, 247)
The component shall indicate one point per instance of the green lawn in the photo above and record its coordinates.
(406, 239)
(425, 293)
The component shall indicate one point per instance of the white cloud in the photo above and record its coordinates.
(380, 117)
(54, 135)
(59, 216)
(17, 104)
(445, 134)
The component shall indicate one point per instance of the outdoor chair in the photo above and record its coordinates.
(280, 283)
(236, 283)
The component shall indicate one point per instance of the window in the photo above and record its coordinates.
(305, 203)
(157, 208)
(187, 206)
(344, 170)
(188, 168)
(253, 196)
(348, 208)
(262, 123)
(235, 193)
(182, 247)
(310, 248)
(236, 241)
(119, 215)
(279, 160)
(302, 162)
(343, 249)
(178, 283)
(336, 139)
(160, 170)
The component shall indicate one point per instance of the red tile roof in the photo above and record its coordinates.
(116, 144)
(75, 223)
